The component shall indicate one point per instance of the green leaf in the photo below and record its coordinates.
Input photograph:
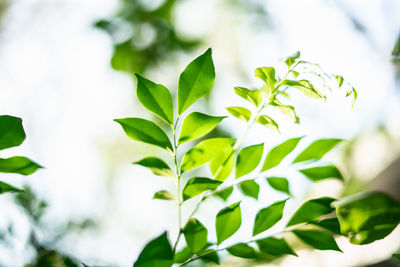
(311, 210)
(195, 81)
(268, 122)
(367, 217)
(145, 131)
(339, 79)
(197, 125)
(239, 112)
(317, 150)
(228, 221)
(304, 86)
(267, 74)
(280, 184)
(210, 256)
(321, 240)
(157, 252)
(248, 159)
(20, 165)
(331, 224)
(183, 255)
(319, 173)
(156, 166)
(205, 151)
(222, 166)
(4, 188)
(242, 250)
(287, 110)
(253, 96)
(11, 131)
(156, 98)
(278, 153)
(163, 195)
(198, 185)
(195, 235)
(268, 217)
(224, 194)
(292, 59)
(249, 188)
(354, 93)
(275, 246)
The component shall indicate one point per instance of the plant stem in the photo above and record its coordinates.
(178, 176)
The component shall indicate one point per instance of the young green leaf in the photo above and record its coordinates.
(157, 252)
(280, 184)
(197, 125)
(163, 195)
(20, 165)
(248, 159)
(304, 86)
(195, 235)
(278, 153)
(253, 96)
(156, 98)
(156, 166)
(145, 131)
(275, 246)
(287, 110)
(268, 122)
(367, 217)
(183, 255)
(239, 112)
(268, 217)
(225, 194)
(290, 60)
(195, 81)
(319, 173)
(317, 150)
(222, 166)
(267, 74)
(242, 250)
(11, 131)
(228, 221)
(354, 93)
(198, 185)
(339, 79)
(317, 239)
(311, 210)
(249, 188)
(205, 151)
(331, 224)
(4, 188)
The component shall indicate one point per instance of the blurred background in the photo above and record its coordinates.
(66, 68)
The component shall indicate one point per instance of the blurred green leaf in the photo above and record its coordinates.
(268, 217)
(222, 166)
(239, 112)
(317, 239)
(145, 131)
(183, 255)
(224, 194)
(195, 81)
(280, 184)
(156, 98)
(317, 150)
(205, 151)
(278, 153)
(367, 217)
(228, 221)
(156, 166)
(268, 122)
(331, 224)
(210, 256)
(4, 188)
(242, 250)
(267, 74)
(11, 131)
(311, 210)
(305, 86)
(249, 188)
(253, 96)
(195, 235)
(198, 185)
(292, 59)
(319, 173)
(20, 165)
(163, 195)
(197, 125)
(248, 159)
(339, 79)
(275, 246)
(285, 109)
(157, 252)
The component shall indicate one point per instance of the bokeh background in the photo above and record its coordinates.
(66, 68)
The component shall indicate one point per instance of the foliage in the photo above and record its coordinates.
(314, 222)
